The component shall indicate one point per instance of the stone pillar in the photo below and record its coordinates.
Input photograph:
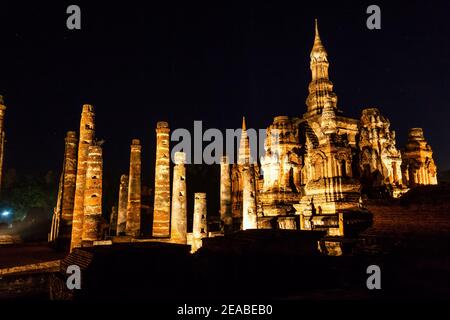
(161, 210)
(133, 225)
(225, 195)
(56, 218)
(86, 139)
(249, 218)
(2, 137)
(54, 226)
(68, 185)
(122, 207)
(113, 221)
(178, 226)
(200, 225)
(93, 196)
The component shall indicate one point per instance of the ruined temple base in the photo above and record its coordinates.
(278, 203)
(266, 241)
(337, 246)
(343, 224)
(286, 222)
(397, 192)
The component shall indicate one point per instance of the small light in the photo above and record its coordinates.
(6, 213)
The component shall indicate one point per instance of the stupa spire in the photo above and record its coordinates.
(244, 145)
(320, 88)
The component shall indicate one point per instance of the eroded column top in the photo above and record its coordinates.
(124, 178)
(71, 135)
(224, 160)
(162, 124)
(88, 108)
(179, 157)
(200, 195)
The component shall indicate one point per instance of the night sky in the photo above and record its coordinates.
(214, 61)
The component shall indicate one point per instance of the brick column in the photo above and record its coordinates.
(93, 196)
(86, 138)
(161, 210)
(133, 225)
(178, 228)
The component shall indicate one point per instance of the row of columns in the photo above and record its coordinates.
(80, 204)
(80, 197)
(178, 221)
(170, 217)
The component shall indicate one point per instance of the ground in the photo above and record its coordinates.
(409, 240)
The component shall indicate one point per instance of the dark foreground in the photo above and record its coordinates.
(245, 268)
(409, 241)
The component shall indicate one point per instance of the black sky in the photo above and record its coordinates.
(213, 61)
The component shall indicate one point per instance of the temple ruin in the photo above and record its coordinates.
(418, 167)
(380, 160)
(312, 176)
(315, 166)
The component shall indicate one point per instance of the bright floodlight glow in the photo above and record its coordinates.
(6, 213)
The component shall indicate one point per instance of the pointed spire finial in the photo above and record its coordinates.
(317, 41)
(316, 28)
(318, 51)
(244, 145)
(320, 85)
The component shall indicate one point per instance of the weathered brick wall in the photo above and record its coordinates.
(423, 211)
(405, 220)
